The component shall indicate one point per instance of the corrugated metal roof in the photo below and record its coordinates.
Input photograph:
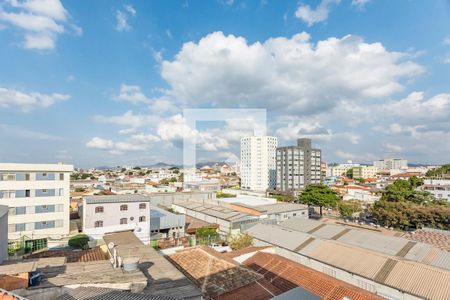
(412, 277)
(418, 279)
(358, 261)
(442, 260)
(391, 245)
(216, 211)
(283, 237)
(299, 224)
(116, 198)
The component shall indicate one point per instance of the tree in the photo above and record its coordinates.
(348, 208)
(79, 189)
(318, 195)
(439, 172)
(349, 173)
(206, 235)
(239, 241)
(79, 241)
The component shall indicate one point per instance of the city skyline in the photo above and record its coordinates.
(108, 86)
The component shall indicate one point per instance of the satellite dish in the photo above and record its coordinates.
(138, 229)
(111, 245)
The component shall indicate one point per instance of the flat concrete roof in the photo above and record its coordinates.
(36, 167)
(163, 278)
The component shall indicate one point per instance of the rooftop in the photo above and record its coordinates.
(390, 245)
(287, 275)
(214, 273)
(95, 293)
(440, 239)
(424, 281)
(192, 224)
(116, 199)
(36, 167)
(163, 278)
(73, 255)
(217, 211)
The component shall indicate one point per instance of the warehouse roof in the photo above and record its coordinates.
(423, 280)
(391, 245)
(116, 198)
(281, 207)
(216, 211)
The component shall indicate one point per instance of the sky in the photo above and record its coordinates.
(105, 83)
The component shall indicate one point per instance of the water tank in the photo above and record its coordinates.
(130, 264)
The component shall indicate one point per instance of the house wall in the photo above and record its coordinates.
(111, 216)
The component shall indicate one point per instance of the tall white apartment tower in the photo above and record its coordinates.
(38, 199)
(258, 165)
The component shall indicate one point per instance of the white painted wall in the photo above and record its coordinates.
(63, 200)
(111, 219)
(258, 162)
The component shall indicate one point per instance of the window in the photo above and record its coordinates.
(44, 174)
(27, 193)
(44, 190)
(98, 224)
(123, 221)
(27, 176)
(142, 219)
(20, 227)
(123, 207)
(98, 209)
(61, 176)
(8, 177)
(142, 205)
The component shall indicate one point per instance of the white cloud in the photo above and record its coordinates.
(447, 59)
(447, 40)
(282, 74)
(127, 119)
(130, 9)
(175, 129)
(393, 148)
(115, 148)
(16, 132)
(132, 93)
(367, 157)
(28, 101)
(317, 15)
(122, 17)
(360, 3)
(169, 34)
(145, 138)
(41, 20)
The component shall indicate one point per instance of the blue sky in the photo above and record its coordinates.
(105, 82)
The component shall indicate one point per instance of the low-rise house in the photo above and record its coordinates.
(105, 214)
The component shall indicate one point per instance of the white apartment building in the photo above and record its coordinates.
(38, 198)
(391, 163)
(258, 165)
(298, 166)
(365, 172)
(3, 233)
(440, 188)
